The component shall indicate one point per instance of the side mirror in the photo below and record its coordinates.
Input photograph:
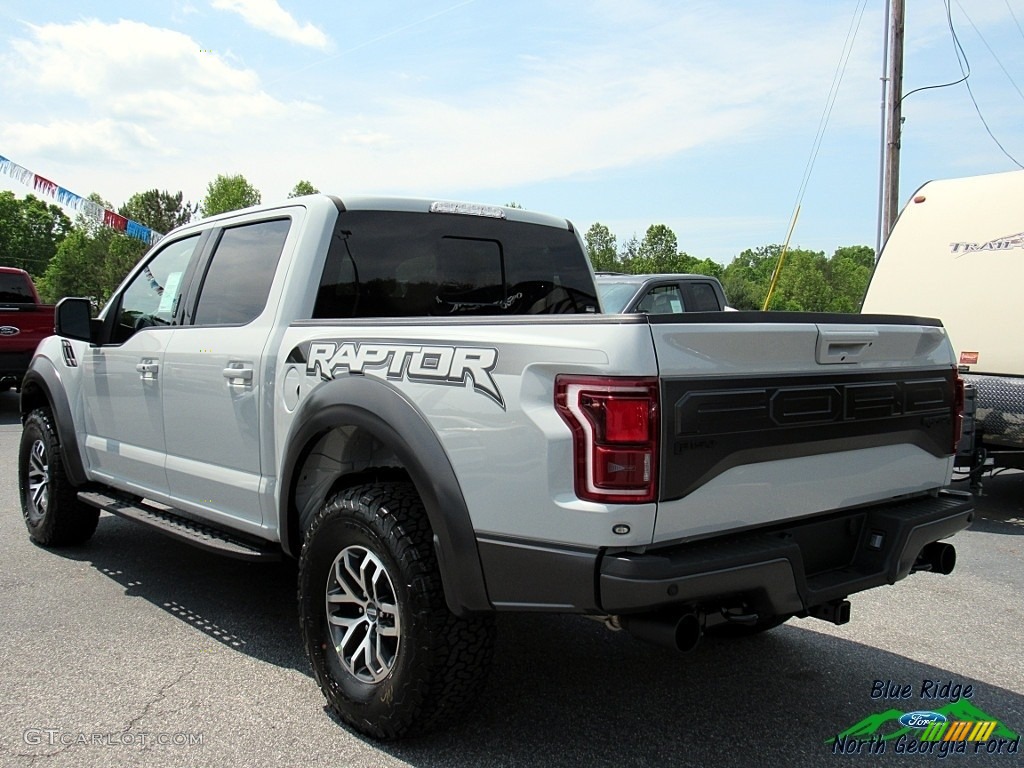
(73, 319)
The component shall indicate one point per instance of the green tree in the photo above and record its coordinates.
(78, 267)
(30, 232)
(229, 193)
(849, 271)
(160, 211)
(708, 267)
(629, 251)
(303, 188)
(860, 255)
(91, 261)
(802, 285)
(601, 248)
(657, 251)
(808, 282)
(747, 276)
(91, 264)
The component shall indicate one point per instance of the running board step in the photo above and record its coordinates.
(178, 527)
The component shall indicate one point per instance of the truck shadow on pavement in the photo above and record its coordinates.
(564, 690)
(248, 607)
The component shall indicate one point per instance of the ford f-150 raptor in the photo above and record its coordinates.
(423, 403)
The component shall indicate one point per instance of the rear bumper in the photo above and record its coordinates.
(788, 569)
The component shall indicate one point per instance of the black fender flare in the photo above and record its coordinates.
(44, 376)
(382, 410)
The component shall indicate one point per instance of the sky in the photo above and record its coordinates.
(702, 116)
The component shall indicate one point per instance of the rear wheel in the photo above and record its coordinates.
(389, 656)
(49, 502)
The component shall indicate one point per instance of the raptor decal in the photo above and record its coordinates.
(429, 364)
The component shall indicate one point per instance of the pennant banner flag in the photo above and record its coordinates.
(45, 185)
(92, 211)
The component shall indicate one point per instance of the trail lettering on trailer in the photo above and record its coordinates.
(999, 244)
(429, 364)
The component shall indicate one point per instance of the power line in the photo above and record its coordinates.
(965, 69)
(830, 102)
(1012, 14)
(833, 94)
(994, 56)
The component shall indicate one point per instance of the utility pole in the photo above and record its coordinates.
(891, 180)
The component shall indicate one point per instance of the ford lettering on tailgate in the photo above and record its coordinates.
(710, 424)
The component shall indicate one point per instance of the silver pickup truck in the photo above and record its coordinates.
(423, 403)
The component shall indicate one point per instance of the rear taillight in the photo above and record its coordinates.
(614, 425)
(958, 410)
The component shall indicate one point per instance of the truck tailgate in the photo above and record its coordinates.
(772, 416)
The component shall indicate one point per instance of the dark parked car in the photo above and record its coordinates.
(24, 322)
(660, 294)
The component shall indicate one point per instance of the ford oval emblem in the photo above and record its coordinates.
(9, 330)
(921, 719)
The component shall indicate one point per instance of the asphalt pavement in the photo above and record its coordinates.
(137, 650)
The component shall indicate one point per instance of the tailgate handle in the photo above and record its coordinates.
(837, 347)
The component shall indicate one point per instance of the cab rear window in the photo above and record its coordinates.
(14, 290)
(399, 264)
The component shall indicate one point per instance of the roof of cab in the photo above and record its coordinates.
(399, 204)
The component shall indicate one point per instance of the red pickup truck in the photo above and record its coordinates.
(24, 322)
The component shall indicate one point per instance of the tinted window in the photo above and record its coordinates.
(14, 289)
(662, 300)
(152, 297)
(390, 264)
(615, 296)
(237, 282)
(701, 297)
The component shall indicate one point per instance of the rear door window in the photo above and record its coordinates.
(701, 297)
(237, 281)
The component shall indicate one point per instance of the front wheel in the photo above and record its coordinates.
(49, 502)
(388, 654)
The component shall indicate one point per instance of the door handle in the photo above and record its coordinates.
(147, 369)
(242, 372)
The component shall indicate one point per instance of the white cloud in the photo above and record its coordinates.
(671, 88)
(150, 80)
(269, 16)
(661, 87)
(67, 138)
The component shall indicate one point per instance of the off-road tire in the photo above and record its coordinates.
(429, 663)
(49, 502)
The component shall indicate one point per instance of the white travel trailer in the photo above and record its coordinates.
(957, 253)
